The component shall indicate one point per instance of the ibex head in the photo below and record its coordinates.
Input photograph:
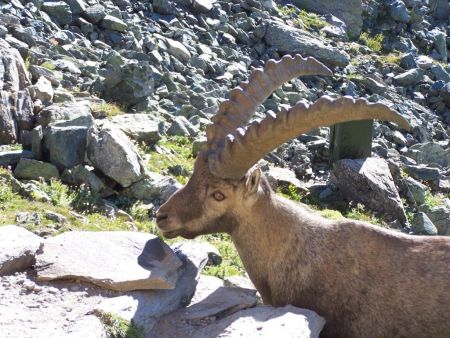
(224, 186)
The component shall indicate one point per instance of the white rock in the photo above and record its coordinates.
(42, 90)
(178, 50)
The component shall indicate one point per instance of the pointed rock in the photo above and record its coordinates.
(369, 181)
(17, 249)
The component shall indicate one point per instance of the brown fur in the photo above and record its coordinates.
(365, 280)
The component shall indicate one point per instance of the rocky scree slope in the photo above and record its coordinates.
(69, 66)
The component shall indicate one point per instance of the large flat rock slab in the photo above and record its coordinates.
(221, 302)
(266, 322)
(17, 249)
(121, 261)
(33, 309)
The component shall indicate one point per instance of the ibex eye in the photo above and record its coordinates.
(218, 196)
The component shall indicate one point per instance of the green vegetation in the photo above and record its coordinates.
(27, 62)
(311, 20)
(108, 109)
(390, 58)
(331, 214)
(357, 212)
(290, 192)
(432, 201)
(360, 213)
(302, 18)
(171, 152)
(231, 263)
(373, 42)
(48, 65)
(118, 327)
(69, 203)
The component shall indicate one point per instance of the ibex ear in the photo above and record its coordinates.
(252, 181)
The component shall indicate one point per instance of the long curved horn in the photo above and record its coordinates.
(245, 99)
(242, 150)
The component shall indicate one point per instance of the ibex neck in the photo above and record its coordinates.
(259, 238)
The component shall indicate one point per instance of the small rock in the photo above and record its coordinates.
(53, 216)
(95, 14)
(28, 169)
(66, 145)
(398, 11)
(59, 10)
(42, 90)
(11, 158)
(282, 178)
(409, 78)
(182, 127)
(422, 225)
(112, 23)
(139, 127)
(416, 191)
(178, 50)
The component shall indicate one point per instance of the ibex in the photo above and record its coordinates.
(365, 280)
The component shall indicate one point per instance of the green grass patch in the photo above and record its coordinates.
(357, 212)
(311, 20)
(302, 18)
(117, 327)
(360, 213)
(65, 201)
(291, 192)
(108, 109)
(231, 263)
(170, 152)
(432, 201)
(331, 214)
(390, 58)
(48, 65)
(373, 42)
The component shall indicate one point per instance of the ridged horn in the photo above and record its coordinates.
(242, 150)
(245, 99)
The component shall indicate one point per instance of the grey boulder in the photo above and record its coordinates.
(80, 175)
(153, 186)
(369, 181)
(430, 153)
(409, 78)
(66, 145)
(139, 127)
(29, 169)
(59, 10)
(129, 83)
(291, 40)
(11, 158)
(111, 152)
(349, 11)
(422, 225)
(74, 114)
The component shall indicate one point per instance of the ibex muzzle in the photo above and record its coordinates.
(366, 281)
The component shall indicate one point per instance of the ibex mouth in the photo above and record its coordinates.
(170, 234)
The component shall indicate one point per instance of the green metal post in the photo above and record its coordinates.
(350, 140)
